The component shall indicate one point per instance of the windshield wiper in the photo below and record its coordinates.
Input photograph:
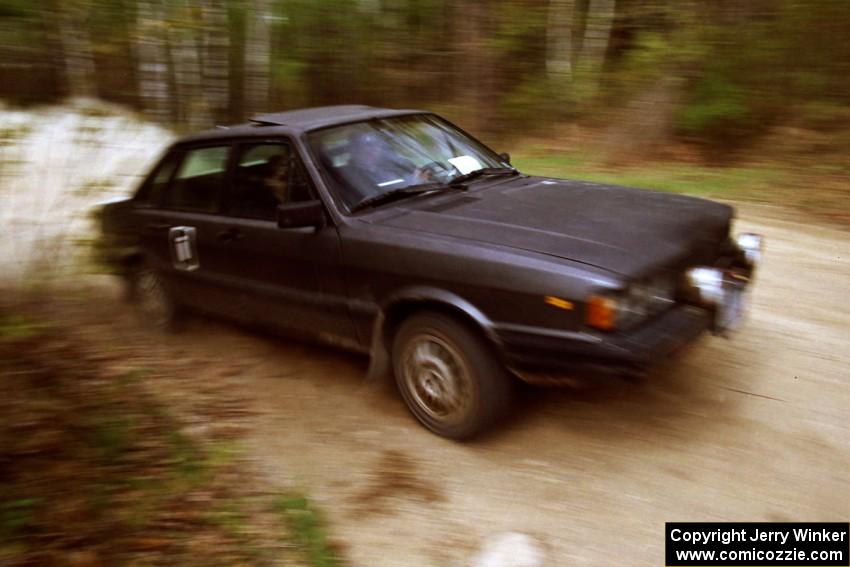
(460, 179)
(455, 184)
(399, 193)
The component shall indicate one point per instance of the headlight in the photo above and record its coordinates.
(629, 307)
(751, 246)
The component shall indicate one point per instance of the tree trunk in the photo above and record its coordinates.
(473, 75)
(152, 60)
(600, 17)
(258, 57)
(187, 70)
(559, 39)
(215, 64)
(644, 128)
(77, 49)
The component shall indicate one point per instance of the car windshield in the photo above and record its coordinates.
(368, 159)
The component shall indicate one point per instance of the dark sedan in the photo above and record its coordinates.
(395, 233)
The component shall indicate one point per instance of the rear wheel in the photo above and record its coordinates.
(151, 295)
(448, 376)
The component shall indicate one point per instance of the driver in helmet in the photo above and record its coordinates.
(375, 166)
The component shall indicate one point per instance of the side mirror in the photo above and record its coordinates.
(505, 157)
(301, 214)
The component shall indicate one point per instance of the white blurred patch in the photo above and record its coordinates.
(509, 549)
(56, 163)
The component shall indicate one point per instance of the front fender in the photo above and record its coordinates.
(426, 295)
(409, 299)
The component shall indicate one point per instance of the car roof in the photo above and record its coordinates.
(298, 121)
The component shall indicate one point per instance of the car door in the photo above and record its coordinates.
(179, 218)
(287, 277)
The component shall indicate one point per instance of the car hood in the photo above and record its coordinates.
(624, 230)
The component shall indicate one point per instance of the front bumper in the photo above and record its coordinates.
(530, 350)
(718, 303)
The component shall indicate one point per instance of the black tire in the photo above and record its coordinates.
(448, 376)
(151, 296)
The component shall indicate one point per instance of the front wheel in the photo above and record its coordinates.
(448, 376)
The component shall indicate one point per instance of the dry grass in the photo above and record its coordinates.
(99, 466)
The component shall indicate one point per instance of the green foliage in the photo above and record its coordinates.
(18, 327)
(187, 459)
(530, 101)
(717, 107)
(755, 183)
(738, 67)
(14, 9)
(16, 515)
(308, 530)
(10, 135)
(112, 437)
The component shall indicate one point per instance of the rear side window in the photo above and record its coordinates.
(197, 184)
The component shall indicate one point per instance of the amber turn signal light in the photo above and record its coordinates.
(601, 312)
(558, 302)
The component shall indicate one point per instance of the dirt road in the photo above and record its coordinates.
(754, 428)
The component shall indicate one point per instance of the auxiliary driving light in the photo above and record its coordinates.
(708, 282)
(751, 245)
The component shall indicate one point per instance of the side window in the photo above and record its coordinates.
(151, 191)
(197, 184)
(267, 175)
